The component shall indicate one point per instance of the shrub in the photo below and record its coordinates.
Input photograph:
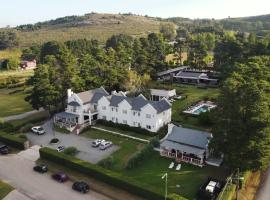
(12, 140)
(6, 127)
(26, 128)
(206, 118)
(155, 142)
(72, 151)
(141, 156)
(110, 177)
(107, 162)
(23, 136)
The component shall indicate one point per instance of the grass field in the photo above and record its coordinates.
(128, 147)
(12, 102)
(4, 189)
(10, 53)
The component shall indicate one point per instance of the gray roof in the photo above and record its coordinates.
(66, 115)
(189, 137)
(138, 102)
(73, 103)
(91, 95)
(169, 71)
(182, 148)
(189, 74)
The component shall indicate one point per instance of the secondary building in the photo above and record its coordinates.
(84, 108)
(186, 145)
(157, 95)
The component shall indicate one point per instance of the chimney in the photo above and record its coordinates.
(113, 92)
(69, 93)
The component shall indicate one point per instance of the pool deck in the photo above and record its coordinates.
(192, 110)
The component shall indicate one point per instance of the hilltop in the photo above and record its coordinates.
(89, 26)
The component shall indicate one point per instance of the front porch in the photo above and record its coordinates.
(183, 157)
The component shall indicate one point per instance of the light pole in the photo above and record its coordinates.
(165, 176)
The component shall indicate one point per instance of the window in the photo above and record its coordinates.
(139, 114)
(134, 113)
(104, 117)
(74, 109)
(148, 116)
(116, 120)
(116, 109)
(124, 111)
(124, 121)
(113, 119)
(148, 127)
(103, 107)
(134, 123)
(112, 109)
(139, 125)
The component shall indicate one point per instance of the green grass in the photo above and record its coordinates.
(4, 189)
(128, 147)
(190, 177)
(16, 74)
(12, 102)
(130, 133)
(10, 53)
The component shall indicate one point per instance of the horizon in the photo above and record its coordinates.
(193, 9)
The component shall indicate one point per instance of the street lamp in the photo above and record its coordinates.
(165, 176)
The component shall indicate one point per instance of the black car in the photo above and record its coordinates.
(40, 168)
(60, 177)
(4, 149)
(81, 186)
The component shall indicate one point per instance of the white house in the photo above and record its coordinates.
(86, 107)
(186, 145)
(157, 95)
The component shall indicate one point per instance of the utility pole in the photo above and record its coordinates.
(237, 187)
(166, 184)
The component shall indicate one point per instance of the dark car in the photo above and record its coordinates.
(40, 168)
(4, 149)
(81, 186)
(60, 177)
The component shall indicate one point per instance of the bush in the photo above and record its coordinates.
(155, 142)
(107, 163)
(6, 127)
(107, 176)
(26, 128)
(141, 156)
(23, 136)
(12, 140)
(71, 151)
(206, 118)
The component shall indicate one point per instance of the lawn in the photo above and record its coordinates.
(12, 102)
(128, 147)
(4, 189)
(130, 133)
(190, 177)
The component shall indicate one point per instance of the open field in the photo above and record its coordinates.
(128, 147)
(10, 53)
(12, 102)
(4, 189)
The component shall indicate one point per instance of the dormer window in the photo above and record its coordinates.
(148, 116)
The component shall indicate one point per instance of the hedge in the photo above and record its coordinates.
(95, 171)
(12, 140)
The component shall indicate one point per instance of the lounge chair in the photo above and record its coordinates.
(171, 165)
(178, 167)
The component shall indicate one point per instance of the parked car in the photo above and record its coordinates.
(105, 145)
(60, 177)
(97, 142)
(210, 189)
(4, 149)
(38, 130)
(81, 186)
(60, 148)
(40, 168)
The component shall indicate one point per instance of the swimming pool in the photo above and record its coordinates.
(202, 109)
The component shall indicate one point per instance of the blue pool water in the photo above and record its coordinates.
(202, 109)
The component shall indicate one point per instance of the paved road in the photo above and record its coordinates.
(17, 170)
(83, 144)
(264, 190)
(21, 116)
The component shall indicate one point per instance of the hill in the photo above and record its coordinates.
(89, 26)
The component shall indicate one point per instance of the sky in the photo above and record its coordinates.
(16, 12)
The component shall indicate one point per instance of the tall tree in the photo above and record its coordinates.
(243, 125)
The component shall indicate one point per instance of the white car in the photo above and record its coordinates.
(105, 145)
(97, 142)
(38, 130)
(60, 148)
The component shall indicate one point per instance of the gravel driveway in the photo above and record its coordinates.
(17, 171)
(83, 144)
